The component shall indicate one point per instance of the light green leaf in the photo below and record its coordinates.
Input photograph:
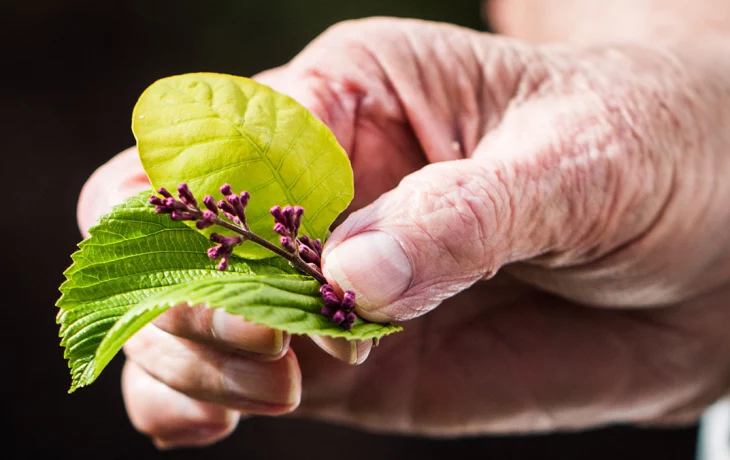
(209, 129)
(288, 302)
(136, 264)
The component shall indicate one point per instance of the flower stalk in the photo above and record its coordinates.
(302, 252)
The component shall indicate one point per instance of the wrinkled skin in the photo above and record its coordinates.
(593, 181)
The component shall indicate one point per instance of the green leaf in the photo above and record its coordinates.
(136, 263)
(288, 302)
(132, 254)
(209, 129)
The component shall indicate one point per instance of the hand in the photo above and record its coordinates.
(590, 178)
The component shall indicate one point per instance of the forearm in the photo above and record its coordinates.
(592, 21)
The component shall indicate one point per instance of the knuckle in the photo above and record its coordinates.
(358, 29)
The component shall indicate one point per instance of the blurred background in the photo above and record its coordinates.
(71, 73)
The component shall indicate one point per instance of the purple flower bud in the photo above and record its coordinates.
(156, 200)
(233, 240)
(209, 203)
(288, 213)
(326, 288)
(308, 255)
(235, 201)
(328, 311)
(287, 244)
(181, 215)
(163, 191)
(339, 317)
(278, 216)
(227, 209)
(228, 241)
(281, 229)
(209, 216)
(349, 320)
(348, 301)
(223, 264)
(226, 189)
(201, 224)
(317, 246)
(162, 210)
(306, 240)
(172, 203)
(186, 196)
(296, 221)
(331, 300)
(216, 252)
(245, 196)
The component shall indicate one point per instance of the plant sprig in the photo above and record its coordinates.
(205, 129)
(302, 252)
(232, 216)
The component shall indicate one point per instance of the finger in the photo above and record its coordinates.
(111, 184)
(170, 418)
(349, 351)
(213, 376)
(453, 223)
(218, 329)
(426, 240)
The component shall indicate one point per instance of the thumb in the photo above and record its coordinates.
(442, 229)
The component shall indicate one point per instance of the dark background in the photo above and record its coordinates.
(70, 72)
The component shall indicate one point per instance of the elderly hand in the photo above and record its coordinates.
(595, 180)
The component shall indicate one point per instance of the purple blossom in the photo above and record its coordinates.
(208, 219)
(163, 191)
(281, 229)
(228, 210)
(287, 220)
(209, 203)
(348, 301)
(182, 215)
(288, 244)
(186, 196)
(225, 250)
(339, 311)
(308, 255)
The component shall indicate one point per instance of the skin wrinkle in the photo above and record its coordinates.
(432, 154)
(459, 118)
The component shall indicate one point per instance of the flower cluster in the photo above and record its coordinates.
(286, 223)
(301, 251)
(187, 208)
(339, 311)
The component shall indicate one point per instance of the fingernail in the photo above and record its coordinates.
(263, 384)
(374, 265)
(349, 351)
(246, 336)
